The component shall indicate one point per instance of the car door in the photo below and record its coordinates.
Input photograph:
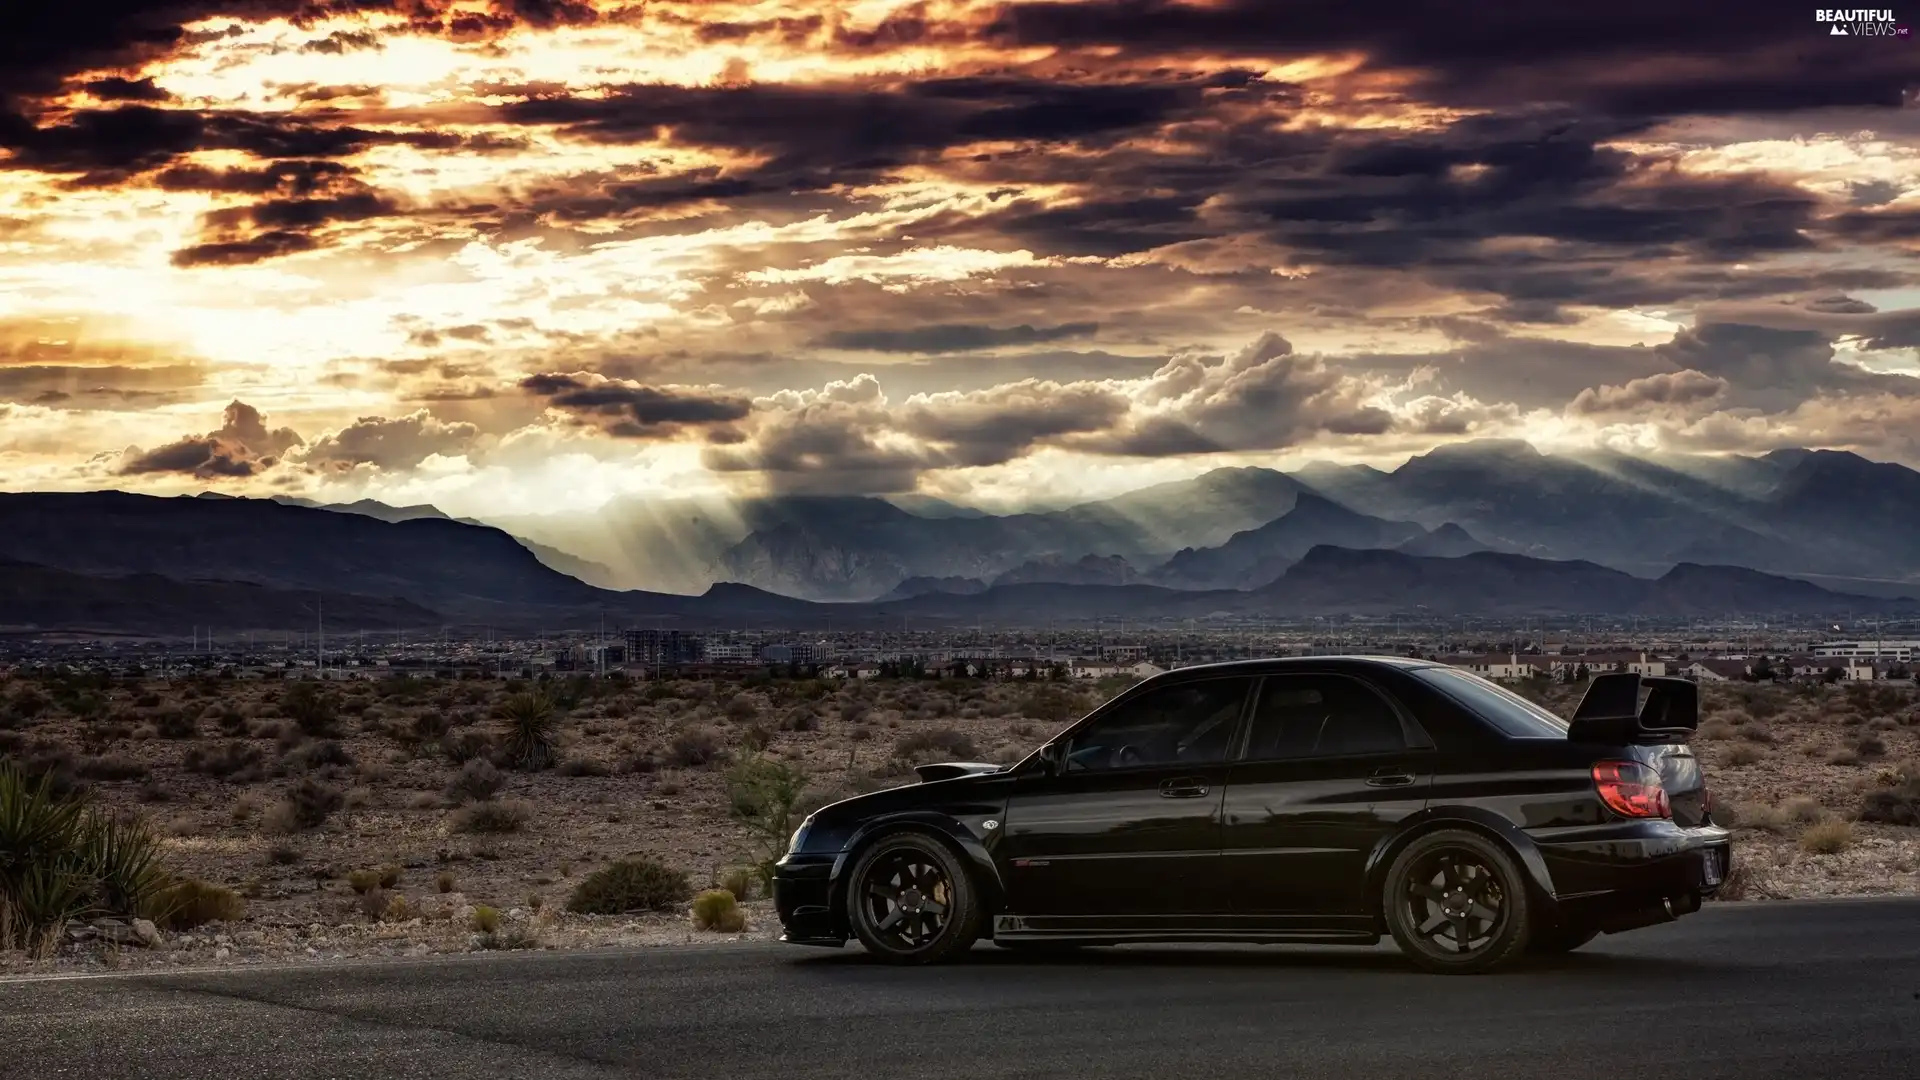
(1128, 824)
(1330, 768)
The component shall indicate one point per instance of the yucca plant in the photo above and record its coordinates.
(120, 858)
(529, 742)
(62, 859)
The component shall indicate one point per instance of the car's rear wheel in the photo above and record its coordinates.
(1456, 903)
(911, 901)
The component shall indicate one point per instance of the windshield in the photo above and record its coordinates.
(1501, 707)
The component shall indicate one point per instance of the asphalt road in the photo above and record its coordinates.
(1799, 990)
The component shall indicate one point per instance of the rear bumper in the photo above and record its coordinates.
(803, 898)
(1600, 869)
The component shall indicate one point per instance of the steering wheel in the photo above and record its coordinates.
(1127, 756)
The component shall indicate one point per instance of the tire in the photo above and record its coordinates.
(1553, 940)
(910, 900)
(1457, 904)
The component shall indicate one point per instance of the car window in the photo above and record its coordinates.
(1507, 711)
(1189, 723)
(1306, 716)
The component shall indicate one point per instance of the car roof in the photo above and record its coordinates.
(1275, 665)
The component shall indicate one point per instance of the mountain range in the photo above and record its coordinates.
(1474, 528)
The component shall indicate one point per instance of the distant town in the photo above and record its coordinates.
(1509, 653)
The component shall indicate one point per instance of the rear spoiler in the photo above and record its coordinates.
(947, 770)
(1612, 712)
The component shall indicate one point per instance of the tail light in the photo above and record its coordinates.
(1631, 789)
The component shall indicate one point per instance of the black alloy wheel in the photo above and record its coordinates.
(1456, 903)
(910, 901)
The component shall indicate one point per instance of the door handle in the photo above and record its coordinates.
(1390, 777)
(1185, 787)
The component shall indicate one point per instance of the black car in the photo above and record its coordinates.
(1323, 799)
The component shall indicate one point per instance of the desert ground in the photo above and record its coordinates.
(409, 816)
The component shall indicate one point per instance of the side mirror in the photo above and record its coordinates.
(1053, 758)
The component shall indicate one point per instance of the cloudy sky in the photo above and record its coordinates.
(514, 256)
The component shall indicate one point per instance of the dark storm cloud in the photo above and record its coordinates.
(344, 41)
(269, 245)
(111, 144)
(45, 44)
(952, 337)
(630, 411)
(861, 129)
(295, 179)
(117, 88)
(1717, 56)
(242, 446)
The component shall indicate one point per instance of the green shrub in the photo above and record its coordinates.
(530, 727)
(444, 881)
(719, 911)
(61, 859)
(638, 884)
(363, 881)
(189, 902)
(485, 920)
(389, 876)
(765, 795)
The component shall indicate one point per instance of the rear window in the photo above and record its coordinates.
(1514, 715)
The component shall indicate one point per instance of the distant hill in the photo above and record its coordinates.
(921, 586)
(1331, 579)
(460, 572)
(1257, 556)
(1449, 541)
(44, 598)
(1087, 570)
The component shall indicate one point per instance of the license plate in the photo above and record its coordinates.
(1710, 866)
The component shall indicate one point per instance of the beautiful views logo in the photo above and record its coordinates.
(1861, 22)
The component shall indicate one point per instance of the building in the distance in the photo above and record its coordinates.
(799, 652)
(1904, 651)
(664, 648)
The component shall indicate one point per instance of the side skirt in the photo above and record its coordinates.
(1214, 928)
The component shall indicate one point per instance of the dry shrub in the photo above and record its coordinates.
(189, 902)
(696, 747)
(232, 761)
(937, 742)
(1745, 754)
(492, 817)
(1716, 729)
(1827, 837)
(477, 781)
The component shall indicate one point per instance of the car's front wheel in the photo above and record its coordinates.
(911, 901)
(1456, 903)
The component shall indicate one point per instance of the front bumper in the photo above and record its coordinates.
(803, 898)
(1633, 863)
